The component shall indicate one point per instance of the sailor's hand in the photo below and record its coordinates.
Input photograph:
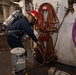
(38, 43)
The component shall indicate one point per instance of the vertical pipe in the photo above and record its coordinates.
(5, 11)
(24, 8)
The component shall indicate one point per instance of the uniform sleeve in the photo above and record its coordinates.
(27, 28)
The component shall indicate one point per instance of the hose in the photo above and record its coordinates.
(52, 19)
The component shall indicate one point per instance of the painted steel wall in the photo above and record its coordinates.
(66, 50)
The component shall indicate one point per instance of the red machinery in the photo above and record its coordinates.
(47, 24)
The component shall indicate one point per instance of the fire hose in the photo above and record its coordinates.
(48, 22)
(52, 21)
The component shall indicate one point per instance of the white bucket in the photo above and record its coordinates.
(18, 59)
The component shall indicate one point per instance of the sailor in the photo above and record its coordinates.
(24, 25)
